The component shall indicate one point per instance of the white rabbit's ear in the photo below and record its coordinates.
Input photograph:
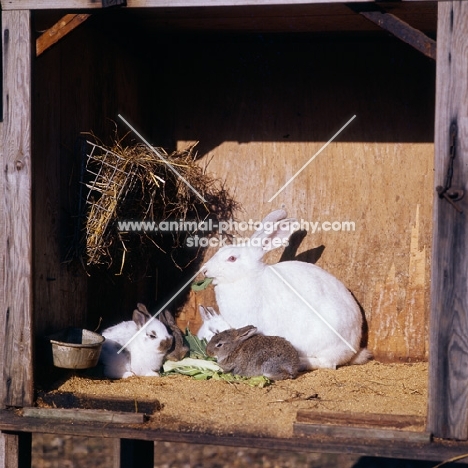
(274, 216)
(274, 234)
(211, 312)
(203, 313)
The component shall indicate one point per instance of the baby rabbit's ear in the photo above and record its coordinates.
(245, 332)
(179, 350)
(142, 308)
(140, 315)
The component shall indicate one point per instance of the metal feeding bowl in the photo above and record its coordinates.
(76, 348)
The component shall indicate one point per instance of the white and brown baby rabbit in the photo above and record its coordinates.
(179, 349)
(147, 341)
(245, 352)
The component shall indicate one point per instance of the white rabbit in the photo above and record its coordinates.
(145, 352)
(295, 300)
(212, 323)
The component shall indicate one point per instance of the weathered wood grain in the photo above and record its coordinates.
(16, 226)
(355, 433)
(390, 427)
(448, 376)
(360, 419)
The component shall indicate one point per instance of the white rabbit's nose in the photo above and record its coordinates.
(203, 270)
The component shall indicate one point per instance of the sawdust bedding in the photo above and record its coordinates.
(223, 408)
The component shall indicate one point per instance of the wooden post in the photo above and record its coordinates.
(130, 453)
(16, 387)
(15, 450)
(448, 377)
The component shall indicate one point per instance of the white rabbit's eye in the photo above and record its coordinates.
(152, 336)
(232, 258)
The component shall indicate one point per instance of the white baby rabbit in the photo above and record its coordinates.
(296, 300)
(212, 323)
(145, 352)
(245, 352)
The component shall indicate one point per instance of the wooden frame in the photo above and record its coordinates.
(448, 394)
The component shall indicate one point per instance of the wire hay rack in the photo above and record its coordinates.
(138, 182)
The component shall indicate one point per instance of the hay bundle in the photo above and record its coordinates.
(144, 183)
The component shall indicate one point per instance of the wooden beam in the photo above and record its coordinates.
(16, 387)
(93, 4)
(389, 427)
(398, 28)
(60, 29)
(394, 421)
(15, 450)
(356, 433)
(113, 3)
(448, 354)
(435, 450)
(68, 400)
(76, 414)
(130, 453)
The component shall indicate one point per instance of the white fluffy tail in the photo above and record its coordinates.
(361, 357)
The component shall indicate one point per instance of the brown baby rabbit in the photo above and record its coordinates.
(244, 352)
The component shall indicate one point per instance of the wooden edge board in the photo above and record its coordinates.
(388, 421)
(436, 450)
(59, 30)
(93, 4)
(349, 432)
(69, 400)
(85, 415)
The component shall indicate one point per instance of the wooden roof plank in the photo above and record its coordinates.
(93, 4)
(60, 29)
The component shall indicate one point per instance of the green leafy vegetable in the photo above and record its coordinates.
(200, 369)
(201, 285)
(189, 364)
(197, 346)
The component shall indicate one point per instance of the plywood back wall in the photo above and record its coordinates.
(262, 106)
